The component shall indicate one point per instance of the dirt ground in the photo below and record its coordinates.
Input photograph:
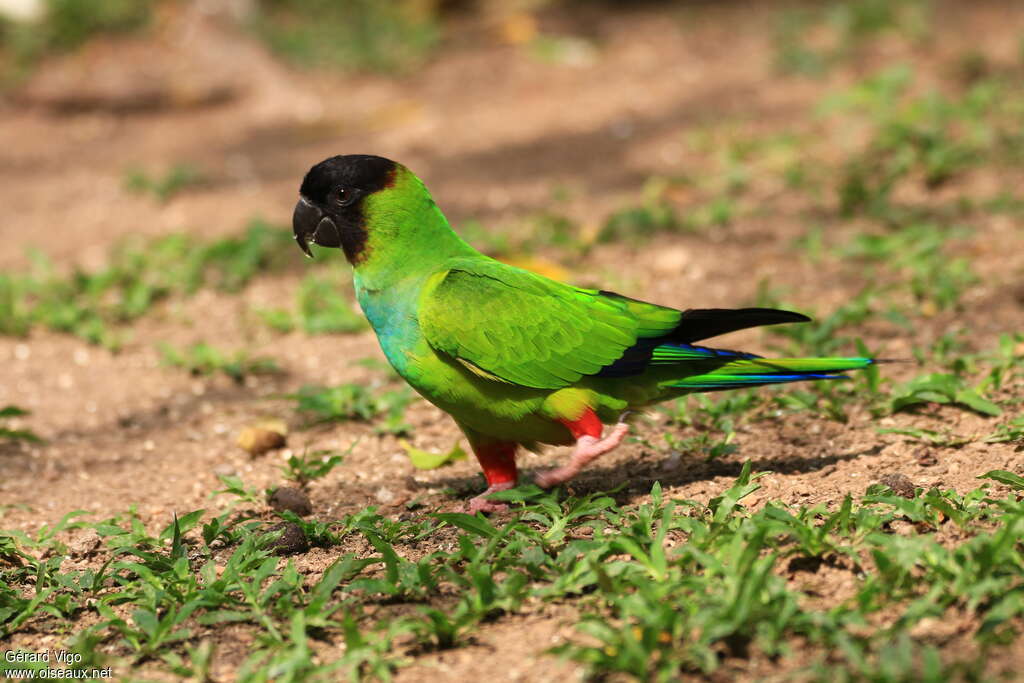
(491, 131)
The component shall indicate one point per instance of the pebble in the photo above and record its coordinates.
(899, 483)
(292, 499)
(672, 462)
(225, 470)
(292, 540)
(257, 440)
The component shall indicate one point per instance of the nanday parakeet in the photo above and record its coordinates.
(515, 358)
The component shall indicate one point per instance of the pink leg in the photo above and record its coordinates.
(498, 461)
(589, 447)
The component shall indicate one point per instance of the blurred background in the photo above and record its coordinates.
(129, 118)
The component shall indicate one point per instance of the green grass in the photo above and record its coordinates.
(65, 26)
(663, 588)
(714, 418)
(312, 465)
(851, 28)
(349, 34)
(97, 305)
(920, 140)
(1011, 432)
(355, 402)
(173, 181)
(546, 229)
(324, 305)
(915, 256)
(940, 388)
(203, 359)
(426, 460)
(971, 386)
(920, 256)
(8, 434)
(655, 213)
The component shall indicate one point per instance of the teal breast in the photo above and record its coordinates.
(392, 314)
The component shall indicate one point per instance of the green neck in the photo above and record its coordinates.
(407, 235)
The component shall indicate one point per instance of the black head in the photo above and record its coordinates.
(330, 210)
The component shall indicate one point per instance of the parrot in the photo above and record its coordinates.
(518, 360)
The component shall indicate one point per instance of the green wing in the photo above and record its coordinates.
(512, 325)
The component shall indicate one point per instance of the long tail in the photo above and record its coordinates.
(706, 369)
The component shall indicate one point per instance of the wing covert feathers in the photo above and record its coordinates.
(528, 330)
(511, 325)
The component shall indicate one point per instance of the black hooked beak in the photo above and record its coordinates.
(309, 222)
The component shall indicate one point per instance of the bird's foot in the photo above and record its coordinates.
(481, 504)
(588, 449)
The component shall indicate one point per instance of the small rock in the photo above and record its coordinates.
(805, 564)
(1018, 294)
(225, 470)
(385, 495)
(292, 540)
(899, 483)
(671, 261)
(902, 527)
(259, 440)
(22, 10)
(926, 457)
(85, 545)
(292, 499)
(672, 462)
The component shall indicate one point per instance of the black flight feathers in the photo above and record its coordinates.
(694, 325)
(704, 323)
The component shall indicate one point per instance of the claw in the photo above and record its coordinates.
(481, 504)
(588, 448)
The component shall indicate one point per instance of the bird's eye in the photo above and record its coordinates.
(344, 196)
